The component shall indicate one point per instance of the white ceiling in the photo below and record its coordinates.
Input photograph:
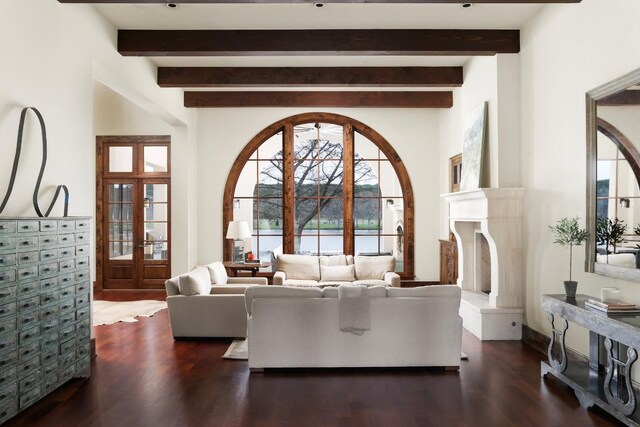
(306, 16)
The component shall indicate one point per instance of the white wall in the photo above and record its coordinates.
(51, 55)
(567, 50)
(412, 132)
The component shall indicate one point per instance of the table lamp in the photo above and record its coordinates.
(238, 231)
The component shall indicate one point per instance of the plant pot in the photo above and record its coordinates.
(570, 288)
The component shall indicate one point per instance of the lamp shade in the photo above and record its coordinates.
(238, 230)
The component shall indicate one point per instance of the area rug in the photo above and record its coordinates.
(239, 350)
(110, 312)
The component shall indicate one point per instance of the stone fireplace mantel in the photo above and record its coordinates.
(496, 214)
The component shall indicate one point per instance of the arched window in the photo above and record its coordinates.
(321, 183)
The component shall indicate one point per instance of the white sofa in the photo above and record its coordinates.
(218, 311)
(306, 270)
(299, 327)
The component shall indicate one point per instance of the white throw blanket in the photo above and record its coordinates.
(353, 302)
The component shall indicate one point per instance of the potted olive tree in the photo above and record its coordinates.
(567, 232)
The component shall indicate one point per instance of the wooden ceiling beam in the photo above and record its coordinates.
(310, 76)
(319, 99)
(316, 42)
(314, 1)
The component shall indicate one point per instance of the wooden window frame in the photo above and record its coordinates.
(350, 126)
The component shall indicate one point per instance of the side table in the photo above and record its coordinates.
(236, 267)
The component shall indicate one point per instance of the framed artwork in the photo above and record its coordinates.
(473, 148)
(455, 172)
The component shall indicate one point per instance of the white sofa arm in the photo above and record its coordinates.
(279, 277)
(393, 279)
(247, 281)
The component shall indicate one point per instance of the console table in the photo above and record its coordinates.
(236, 267)
(607, 386)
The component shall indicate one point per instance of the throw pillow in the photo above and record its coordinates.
(337, 273)
(218, 273)
(299, 267)
(373, 267)
(196, 282)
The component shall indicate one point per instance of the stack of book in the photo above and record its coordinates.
(612, 308)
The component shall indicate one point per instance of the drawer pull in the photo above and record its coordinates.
(3, 345)
(3, 278)
(5, 294)
(25, 227)
(26, 242)
(25, 258)
(47, 240)
(47, 226)
(25, 273)
(46, 270)
(25, 321)
(2, 311)
(47, 255)
(27, 336)
(2, 227)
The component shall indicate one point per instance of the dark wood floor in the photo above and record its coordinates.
(142, 377)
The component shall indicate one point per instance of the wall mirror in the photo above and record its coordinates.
(613, 178)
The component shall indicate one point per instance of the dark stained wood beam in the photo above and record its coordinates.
(319, 99)
(314, 1)
(309, 76)
(627, 97)
(316, 42)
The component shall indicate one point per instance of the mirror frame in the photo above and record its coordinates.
(607, 89)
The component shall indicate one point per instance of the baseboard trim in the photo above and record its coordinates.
(540, 342)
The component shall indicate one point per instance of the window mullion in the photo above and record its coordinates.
(347, 189)
(288, 197)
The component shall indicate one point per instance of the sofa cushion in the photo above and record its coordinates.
(218, 273)
(333, 260)
(337, 273)
(253, 292)
(425, 291)
(373, 267)
(195, 282)
(300, 283)
(371, 282)
(229, 289)
(374, 292)
(299, 267)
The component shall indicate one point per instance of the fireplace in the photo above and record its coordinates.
(487, 224)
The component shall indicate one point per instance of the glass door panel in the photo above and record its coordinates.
(119, 219)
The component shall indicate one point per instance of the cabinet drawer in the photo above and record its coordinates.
(28, 350)
(28, 257)
(82, 287)
(83, 312)
(50, 382)
(67, 319)
(28, 366)
(8, 359)
(82, 250)
(48, 225)
(67, 239)
(8, 376)
(67, 372)
(27, 336)
(82, 275)
(8, 409)
(27, 288)
(7, 227)
(7, 260)
(67, 333)
(50, 367)
(67, 305)
(82, 237)
(83, 224)
(9, 294)
(67, 225)
(49, 254)
(48, 269)
(69, 291)
(32, 396)
(82, 262)
(25, 273)
(49, 284)
(7, 309)
(28, 226)
(28, 319)
(50, 354)
(49, 327)
(28, 303)
(7, 242)
(83, 351)
(67, 346)
(50, 340)
(48, 313)
(9, 392)
(8, 342)
(27, 242)
(7, 325)
(7, 276)
(48, 240)
(82, 300)
(67, 252)
(67, 279)
(81, 327)
(68, 359)
(67, 265)
(49, 297)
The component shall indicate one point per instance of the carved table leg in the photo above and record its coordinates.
(558, 337)
(585, 399)
(620, 369)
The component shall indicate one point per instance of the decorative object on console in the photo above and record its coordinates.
(238, 231)
(567, 232)
(16, 160)
(610, 295)
(473, 148)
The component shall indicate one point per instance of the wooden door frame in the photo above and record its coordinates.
(102, 158)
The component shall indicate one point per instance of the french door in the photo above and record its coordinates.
(135, 227)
